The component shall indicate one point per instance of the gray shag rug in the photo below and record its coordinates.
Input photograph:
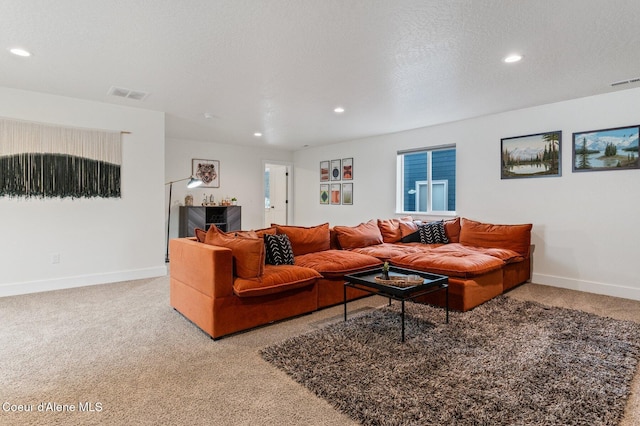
(506, 362)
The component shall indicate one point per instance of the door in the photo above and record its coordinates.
(276, 189)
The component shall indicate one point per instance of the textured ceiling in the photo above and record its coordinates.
(280, 66)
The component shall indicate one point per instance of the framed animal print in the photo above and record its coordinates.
(208, 171)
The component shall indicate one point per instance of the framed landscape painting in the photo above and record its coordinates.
(537, 155)
(607, 149)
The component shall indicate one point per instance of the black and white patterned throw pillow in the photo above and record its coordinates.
(278, 250)
(433, 233)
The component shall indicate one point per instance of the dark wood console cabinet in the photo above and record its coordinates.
(227, 218)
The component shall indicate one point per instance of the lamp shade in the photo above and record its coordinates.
(194, 183)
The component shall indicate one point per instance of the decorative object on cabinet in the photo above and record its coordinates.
(347, 168)
(324, 193)
(193, 183)
(226, 218)
(347, 193)
(537, 155)
(324, 171)
(208, 171)
(607, 149)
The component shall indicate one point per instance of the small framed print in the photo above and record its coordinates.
(336, 170)
(324, 171)
(208, 171)
(335, 193)
(347, 168)
(347, 193)
(324, 192)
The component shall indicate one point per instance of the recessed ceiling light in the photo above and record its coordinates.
(208, 115)
(512, 58)
(20, 52)
(338, 110)
(257, 134)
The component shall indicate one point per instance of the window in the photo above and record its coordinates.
(427, 180)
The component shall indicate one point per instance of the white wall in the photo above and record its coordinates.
(98, 240)
(241, 176)
(585, 224)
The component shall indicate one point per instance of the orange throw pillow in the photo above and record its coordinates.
(390, 228)
(512, 237)
(306, 239)
(452, 229)
(407, 228)
(363, 235)
(248, 253)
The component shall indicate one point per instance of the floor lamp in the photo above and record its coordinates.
(193, 183)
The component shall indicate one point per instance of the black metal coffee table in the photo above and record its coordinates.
(366, 281)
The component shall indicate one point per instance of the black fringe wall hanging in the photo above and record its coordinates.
(45, 161)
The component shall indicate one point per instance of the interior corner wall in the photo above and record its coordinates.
(584, 224)
(241, 176)
(97, 240)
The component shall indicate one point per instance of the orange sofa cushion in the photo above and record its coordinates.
(306, 239)
(452, 229)
(363, 235)
(248, 253)
(407, 228)
(390, 228)
(506, 255)
(266, 231)
(386, 251)
(336, 263)
(201, 234)
(459, 264)
(275, 279)
(512, 237)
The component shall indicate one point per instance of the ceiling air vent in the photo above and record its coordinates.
(121, 92)
(623, 82)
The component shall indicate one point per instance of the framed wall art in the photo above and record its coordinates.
(607, 149)
(324, 171)
(208, 171)
(536, 155)
(347, 168)
(347, 193)
(336, 171)
(335, 193)
(324, 193)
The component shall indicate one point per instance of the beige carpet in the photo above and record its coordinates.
(121, 351)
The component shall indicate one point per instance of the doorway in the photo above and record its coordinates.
(276, 194)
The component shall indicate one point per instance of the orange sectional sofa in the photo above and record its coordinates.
(221, 283)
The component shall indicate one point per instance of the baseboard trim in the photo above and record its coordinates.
(614, 290)
(15, 289)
